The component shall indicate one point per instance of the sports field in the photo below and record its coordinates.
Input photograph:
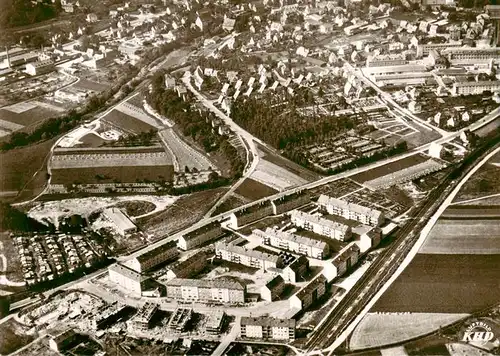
(444, 283)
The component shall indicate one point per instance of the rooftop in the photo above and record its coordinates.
(346, 253)
(290, 197)
(253, 208)
(146, 312)
(276, 281)
(188, 262)
(298, 263)
(206, 283)
(311, 286)
(268, 321)
(479, 83)
(119, 218)
(315, 219)
(288, 236)
(214, 319)
(127, 272)
(202, 230)
(157, 251)
(247, 252)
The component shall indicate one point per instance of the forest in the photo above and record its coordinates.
(193, 122)
(12, 219)
(22, 12)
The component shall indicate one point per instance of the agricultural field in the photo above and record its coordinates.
(126, 123)
(376, 330)
(478, 212)
(138, 113)
(444, 283)
(187, 210)
(288, 165)
(16, 117)
(276, 177)
(337, 189)
(186, 156)
(89, 85)
(253, 190)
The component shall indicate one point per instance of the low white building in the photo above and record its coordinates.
(321, 226)
(123, 225)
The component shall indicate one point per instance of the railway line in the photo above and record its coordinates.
(390, 259)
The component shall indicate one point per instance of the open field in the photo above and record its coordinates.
(187, 210)
(275, 176)
(463, 237)
(13, 175)
(389, 168)
(14, 270)
(87, 84)
(254, 190)
(486, 181)
(12, 337)
(137, 113)
(462, 212)
(123, 174)
(91, 140)
(289, 165)
(136, 207)
(233, 201)
(126, 122)
(376, 330)
(439, 283)
(185, 154)
(28, 117)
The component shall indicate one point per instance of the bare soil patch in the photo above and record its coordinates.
(254, 190)
(389, 168)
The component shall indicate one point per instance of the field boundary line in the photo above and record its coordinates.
(475, 199)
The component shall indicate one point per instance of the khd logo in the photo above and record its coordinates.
(478, 332)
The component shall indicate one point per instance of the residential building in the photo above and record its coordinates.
(351, 211)
(144, 317)
(200, 236)
(189, 267)
(108, 315)
(250, 214)
(370, 239)
(215, 322)
(150, 259)
(309, 294)
(296, 270)
(290, 202)
(267, 328)
(247, 257)
(273, 289)
(91, 18)
(127, 278)
(346, 258)
(219, 290)
(473, 88)
(123, 225)
(40, 67)
(179, 319)
(321, 226)
(292, 242)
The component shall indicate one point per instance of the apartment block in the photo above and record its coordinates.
(273, 289)
(247, 257)
(471, 55)
(200, 236)
(296, 270)
(289, 202)
(267, 328)
(189, 267)
(321, 226)
(351, 211)
(346, 258)
(219, 290)
(127, 278)
(144, 317)
(249, 215)
(295, 243)
(313, 291)
(474, 88)
(150, 259)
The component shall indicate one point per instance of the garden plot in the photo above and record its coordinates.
(275, 176)
(185, 155)
(463, 237)
(26, 114)
(379, 329)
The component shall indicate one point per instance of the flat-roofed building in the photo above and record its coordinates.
(474, 88)
(390, 59)
(423, 49)
(471, 55)
(292, 242)
(273, 289)
(127, 278)
(321, 226)
(351, 211)
(390, 70)
(144, 316)
(200, 236)
(296, 270)
(346, 258)
(40, 67)
(189, 267)
(309, 294)
(215, 322)
(250, 214)
(123, 225)
(179, 318)
(62, 341)
(247, 257)
(150, 259)
(290, 202)
(267, 328)
(221, 290)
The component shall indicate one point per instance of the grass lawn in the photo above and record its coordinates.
(254, 190)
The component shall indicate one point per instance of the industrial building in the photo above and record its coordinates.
(189, 267)
(321, 226)
(290, 202)
(155, 257)
(390, 59)
(346, 258)
(127, 278)
(423, 49)
(351, 211)
(471, 55)
(249, 215)
(220, 290)
(273, 289)
(295, 243)
(123, 225)
(267, 328)
(309, 294)
(200, 236)
(40, 67)
(247, 257)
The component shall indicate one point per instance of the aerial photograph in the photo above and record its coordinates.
(250, 177)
